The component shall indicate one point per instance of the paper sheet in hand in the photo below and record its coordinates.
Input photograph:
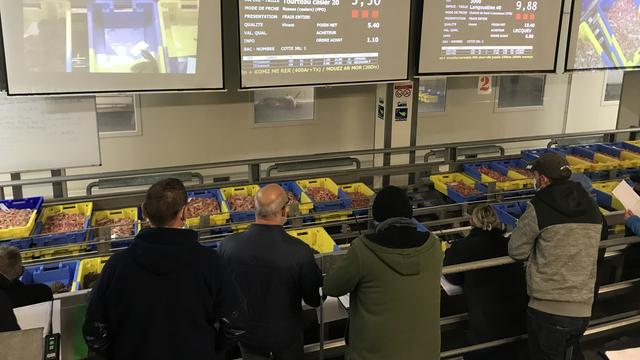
(628, 197)
(39, 316)
(449, 288)
(627, 354)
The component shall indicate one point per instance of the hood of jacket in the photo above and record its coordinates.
(163, 250)
(401, 258)
(567, 197)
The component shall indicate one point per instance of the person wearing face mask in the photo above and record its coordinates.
(275, 272)
(166, 296)
(11, 270)
(559, 236)
(496, 297)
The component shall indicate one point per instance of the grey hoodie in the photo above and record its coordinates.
(559, 235)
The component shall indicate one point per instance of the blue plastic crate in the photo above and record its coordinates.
(625, 146)
(601, 148)
(22, 244)
(65, 272)
(343, 202)
(509, 214)
(459, 198)
(473, 170)
(531, 156)
(503, 166)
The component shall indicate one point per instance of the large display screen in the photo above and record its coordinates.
(605, 34)
(68, 46)
(489, 36)
(304, 42)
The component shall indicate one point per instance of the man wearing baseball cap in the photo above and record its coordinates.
(558, 236)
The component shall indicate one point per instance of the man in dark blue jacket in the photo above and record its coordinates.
(165, 296)
(275, 272)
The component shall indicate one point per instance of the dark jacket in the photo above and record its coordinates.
(8, 320)
(393, 279)
(162, 298)
(559, 235)
(275, 273)
(24, 295)
(496, 297)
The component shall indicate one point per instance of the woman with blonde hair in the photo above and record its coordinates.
(496, 297)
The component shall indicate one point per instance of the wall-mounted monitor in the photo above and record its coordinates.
(605, 34)
(489, 36)
(304, 42)
(92, 46)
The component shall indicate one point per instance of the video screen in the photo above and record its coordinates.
(285, 42)
(489, 36)
(164, 38)
(605, 34)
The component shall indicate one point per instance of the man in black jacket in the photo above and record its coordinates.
(8, 320)
(11, 270)
(163, 297)
(275, 272)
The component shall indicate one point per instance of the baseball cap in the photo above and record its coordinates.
(552, 165)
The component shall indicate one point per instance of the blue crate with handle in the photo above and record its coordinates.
(509, 214)
(65, 272)
(530, 156)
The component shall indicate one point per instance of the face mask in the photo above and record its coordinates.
(536, 185)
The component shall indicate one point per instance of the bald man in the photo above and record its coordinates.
(275, 272)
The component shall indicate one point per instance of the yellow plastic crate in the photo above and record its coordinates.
(634, 142)
(629, 159)
(179, 27)
(84, 208)
(87, 266)
(322, 182)
(249, 190)
(361, 188)
(440, 181)
(128, 213)
(317, 238)
(579, 165)
(617, 229)
(44, 253)
(23, 231)
(332, 216)
(606, 162)
(608, 187)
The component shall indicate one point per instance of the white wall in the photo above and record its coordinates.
(586, 109)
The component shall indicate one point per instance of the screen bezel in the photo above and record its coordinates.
(119, 91)
(496, 72)
(378, 81)
(570, 45)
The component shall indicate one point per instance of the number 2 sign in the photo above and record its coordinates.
(484, 85)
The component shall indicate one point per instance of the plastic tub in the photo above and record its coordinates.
(35, 204)
(249, 190)
(65, 272)
(84, 209)
(317, 238)
(441, 182)
(361, 188)
(93, 265)
(214, 219)
(343, 201)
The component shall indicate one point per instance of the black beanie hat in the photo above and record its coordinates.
(391, 202)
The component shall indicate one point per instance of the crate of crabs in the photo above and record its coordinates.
(241, 202)
(18, 217)
(492, 172)
(458, 187)
(209, 204)
(63, 224)
(325, 194)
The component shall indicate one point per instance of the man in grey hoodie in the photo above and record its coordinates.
(559, 235)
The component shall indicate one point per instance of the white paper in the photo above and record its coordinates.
(627, 354)
(344, 301)
(333, 311)
(449, 288)
(39, 316)
(628, 197)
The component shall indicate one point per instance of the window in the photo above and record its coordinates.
(613, 87)
(284, 105)
(432, 95)
(118, 115)
(521, 91)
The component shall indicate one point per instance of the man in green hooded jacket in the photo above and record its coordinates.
(393, 278)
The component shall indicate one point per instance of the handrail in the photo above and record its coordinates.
(392, 151)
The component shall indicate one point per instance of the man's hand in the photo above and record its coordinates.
(628, 214)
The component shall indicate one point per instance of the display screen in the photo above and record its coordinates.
(302, 42)
(605, 34)
(68, 46)
(489, 36)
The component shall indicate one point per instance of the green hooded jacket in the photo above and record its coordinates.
(394, 300)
